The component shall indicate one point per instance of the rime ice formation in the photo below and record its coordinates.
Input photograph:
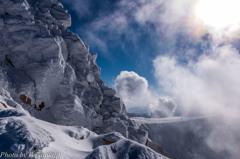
(50, 74)
(22, 134)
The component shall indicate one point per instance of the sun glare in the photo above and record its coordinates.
(220, 15)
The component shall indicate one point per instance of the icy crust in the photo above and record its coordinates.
(21, 134)
(50, 72)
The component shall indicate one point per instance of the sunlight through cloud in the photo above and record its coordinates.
(219, 15)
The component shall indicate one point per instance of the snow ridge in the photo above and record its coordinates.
(47, 72)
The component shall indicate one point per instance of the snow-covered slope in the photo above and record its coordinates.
(50, 74)
(22, 135)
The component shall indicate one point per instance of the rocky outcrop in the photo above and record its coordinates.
(23, 136)
(50, 72)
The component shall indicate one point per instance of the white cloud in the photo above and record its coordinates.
(163, 19)
(225, 137)
(106, 30)
(162, 107)
(169, 16)
(130, 85)
(208, 86)
(134, 91)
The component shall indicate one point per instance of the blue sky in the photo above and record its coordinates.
(121, 40)
(183, 50)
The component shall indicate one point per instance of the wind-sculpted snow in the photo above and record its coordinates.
(49, 71)
(124, 149)
(23, 136)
